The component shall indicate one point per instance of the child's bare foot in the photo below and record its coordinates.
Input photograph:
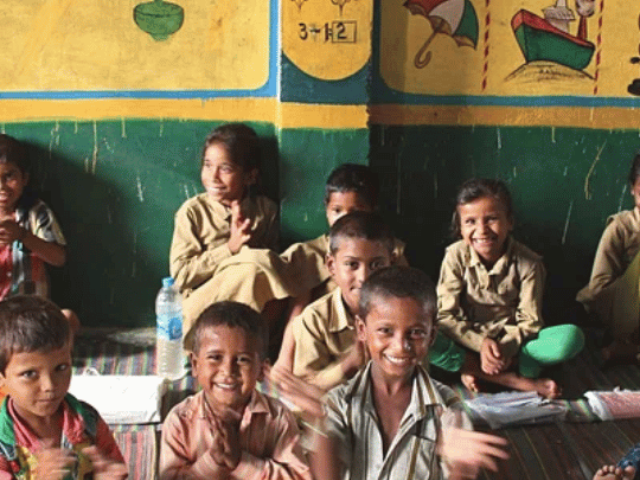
(470, 382)
(547, 388)
(611, 472)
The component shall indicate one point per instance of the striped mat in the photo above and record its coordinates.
(567, 450)
(129, 353)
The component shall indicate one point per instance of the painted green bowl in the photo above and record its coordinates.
(158, 18)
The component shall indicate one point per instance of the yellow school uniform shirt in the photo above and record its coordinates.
(202, 230)
(324, 332)
(504, 303)
(612, 293)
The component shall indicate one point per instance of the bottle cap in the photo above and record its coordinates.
(167, 282)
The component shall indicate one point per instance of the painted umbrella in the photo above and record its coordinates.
(453, 17)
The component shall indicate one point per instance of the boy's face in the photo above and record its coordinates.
(12, 183)
(227, 367)
(37, 382)
(485, 226)
(223, 180)
(397, 334)
(352, 263)
(341, 203)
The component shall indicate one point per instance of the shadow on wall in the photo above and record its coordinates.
(114, 187)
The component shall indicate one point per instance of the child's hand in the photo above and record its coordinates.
(10, 231)
(54, 463)
(297, 391)
(103, 467)
(240, 228)
(226, 451)
(465, 452)
(492, 360)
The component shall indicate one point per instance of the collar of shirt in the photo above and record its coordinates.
(473, 259)
(17, 432)
(257, 405)
(423, 394)
(342, 319)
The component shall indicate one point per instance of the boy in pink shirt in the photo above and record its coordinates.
(228, 429)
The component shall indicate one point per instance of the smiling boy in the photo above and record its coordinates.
(44, 431)
(391, 421)
(326, 349)
(228, 429)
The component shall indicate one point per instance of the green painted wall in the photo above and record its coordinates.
(307, 156)
(114, 187)
(563, 190)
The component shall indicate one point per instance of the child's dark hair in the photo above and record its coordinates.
(476, 188)
(241, 143)
(29, 323)
(634, 173)
(12, 151)
(364, 225)
(350, 177)
(233, 315)
(399, 282)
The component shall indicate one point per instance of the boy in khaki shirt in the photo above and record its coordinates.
(326, 351)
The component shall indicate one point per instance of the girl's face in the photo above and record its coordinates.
(12, 183)
(224, 180)
(485, 226)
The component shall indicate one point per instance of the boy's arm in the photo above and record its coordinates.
(43, 235)
(50, 252)
(190, 264)
(452, 319)
(608, 263)
(332, 450)
(312, 360)
(106, 443)
(529, 311)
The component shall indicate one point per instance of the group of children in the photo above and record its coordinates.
(360, 331)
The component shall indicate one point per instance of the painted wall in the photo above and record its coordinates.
(552, 114)
(114, 108)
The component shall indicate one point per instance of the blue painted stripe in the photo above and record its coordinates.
(486, 100)
(269, 89)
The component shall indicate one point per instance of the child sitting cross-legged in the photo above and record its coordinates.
(45, 432)
(228, 429)
(216, 225)
(326, 350)
(490, 299)
(392, 421)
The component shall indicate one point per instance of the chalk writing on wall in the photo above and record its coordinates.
(328, 40)
(508, 47)
(215, 46)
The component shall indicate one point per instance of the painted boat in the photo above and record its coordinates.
(539, 40)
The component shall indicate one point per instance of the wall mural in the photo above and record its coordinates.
(510, 48)
(327, 39)
(75, 45)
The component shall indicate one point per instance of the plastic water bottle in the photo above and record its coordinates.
(169, 354)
